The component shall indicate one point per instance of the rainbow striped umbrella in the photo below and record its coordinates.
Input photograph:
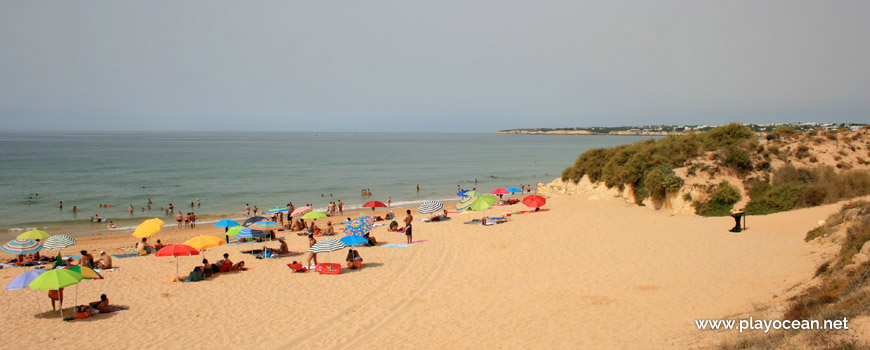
(276, 210)
(21, 247)
(266, 226)
(465, 203)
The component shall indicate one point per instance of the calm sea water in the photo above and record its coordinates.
(227, 170)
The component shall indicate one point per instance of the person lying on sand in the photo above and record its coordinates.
(101, 305)
(372, 241)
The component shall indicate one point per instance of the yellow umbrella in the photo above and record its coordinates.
(204, 242)
(148, 228)
(34, 235)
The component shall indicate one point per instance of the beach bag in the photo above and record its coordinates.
(195, 275)
(328, 269)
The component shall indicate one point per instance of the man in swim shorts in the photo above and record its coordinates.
(408, 220)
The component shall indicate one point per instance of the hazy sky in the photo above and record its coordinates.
(428, 66)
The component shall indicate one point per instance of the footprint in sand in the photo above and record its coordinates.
(647, 288)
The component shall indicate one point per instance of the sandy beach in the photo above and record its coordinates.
(583, 274)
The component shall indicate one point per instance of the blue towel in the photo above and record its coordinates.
(397, 245)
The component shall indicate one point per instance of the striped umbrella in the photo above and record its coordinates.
(34, 234)
(359, 226)
(465, 203)
(327, 245)
(58, 242)
(276, 210)
(21, 247)
(247, 232)
(429, 207)
(301, 211)
(266, 226)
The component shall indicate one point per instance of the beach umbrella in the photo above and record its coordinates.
(252, 220)
(247, 232)
(462, 193)
(226, 223)
(354, 240)
(465, 203)
(177, 250)
(58, 242)
(204, 242)
(266, 226)
(358, 226)
(235, 230)
(276, 210)
(500, 191)
(514, 190)
(22, 280)
(429, 207)
(55, 280)
(327, 245)
(534, 201)
(374, 204)
(148, 228)
(21, 247)
(301, 211)
(483, 202)
(87, 273)
(314, 215)
(34, 235)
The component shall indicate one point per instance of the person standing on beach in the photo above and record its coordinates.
(312, 255)
(340, 207)
(247, 209)
(389, 202)
(130, 208)
(408, 220)
(192, 220)
(255, 210)
(178, 219)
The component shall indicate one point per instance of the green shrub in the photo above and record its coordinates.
(767, 199)
(721, 202)
(738, 160)
(660, 181)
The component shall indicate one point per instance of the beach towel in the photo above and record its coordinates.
(124, 256)
(108, 270)
(109, 309)
(397, 245)
(420, 241)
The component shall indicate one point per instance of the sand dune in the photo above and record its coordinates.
(585, 274)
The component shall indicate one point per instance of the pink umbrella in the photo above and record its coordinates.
(500, 191)
(177, 250)
(301, 211)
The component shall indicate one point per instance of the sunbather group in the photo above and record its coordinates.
(224, 265)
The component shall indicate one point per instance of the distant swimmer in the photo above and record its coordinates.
(148, 201)
(418, 187)
(75, 208)
(61, 204)
(112, 224)
(130, 208)
(198, 203)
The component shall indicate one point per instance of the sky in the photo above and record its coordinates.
(428, 66)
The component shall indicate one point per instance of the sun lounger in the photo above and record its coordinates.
(298, 267)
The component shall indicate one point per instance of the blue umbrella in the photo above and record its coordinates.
(24, 279)
(226, 223)
(354, 240)
(514, 190)
(462, 193)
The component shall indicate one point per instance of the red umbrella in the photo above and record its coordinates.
(374, 204)
(499, 191)
(177, 250)
(534, 201)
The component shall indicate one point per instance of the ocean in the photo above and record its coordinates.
(225, 171)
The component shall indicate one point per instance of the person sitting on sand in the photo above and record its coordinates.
(312, 255)
(354, 261)
(227, 265)
(330, 230)
(394, 227)
(143, 246)
(313, 229)
(105, 261)
(86, 260)
(281, 250)
(207, 269)
(102, 305)
(158, 246)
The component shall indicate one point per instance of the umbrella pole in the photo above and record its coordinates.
(176, 268)
(77, 293)
(61, 306)
(35, 296)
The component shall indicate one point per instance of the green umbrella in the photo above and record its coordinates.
(483, 203)
(55, 280)
(34, 235)
(234, 230)
(314, 215)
